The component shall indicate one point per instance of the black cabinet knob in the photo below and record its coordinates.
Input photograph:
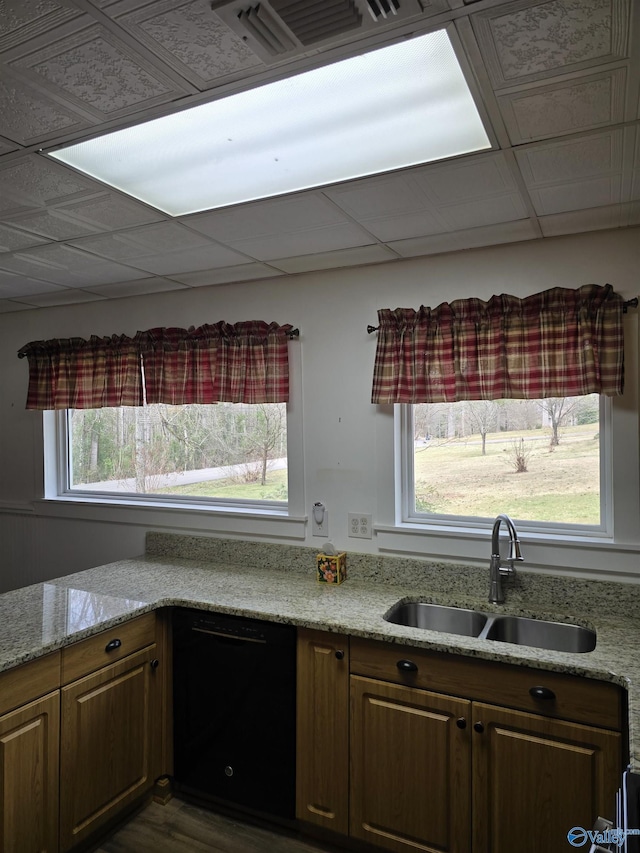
(113, 645)
(154, 664)
(479, 727)
(461, 723)
(407, 666)
(542, 693)
(340, 654)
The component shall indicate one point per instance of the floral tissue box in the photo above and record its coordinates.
(332, 568)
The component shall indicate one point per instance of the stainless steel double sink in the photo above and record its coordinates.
(521, 630)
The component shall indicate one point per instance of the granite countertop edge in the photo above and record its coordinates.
(38, 620)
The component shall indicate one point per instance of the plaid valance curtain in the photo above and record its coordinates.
(240, 363)
(558, 343)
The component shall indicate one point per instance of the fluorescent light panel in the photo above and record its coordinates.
(387, 109)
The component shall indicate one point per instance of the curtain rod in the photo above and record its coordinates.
(630, 303)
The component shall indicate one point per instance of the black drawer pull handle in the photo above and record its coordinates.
(339, 654)
(154, 664)
(461, 723)
(479, 727)
(542, 693)
(113, 645)
(407, 666)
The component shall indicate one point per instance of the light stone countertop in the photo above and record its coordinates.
(278, 583)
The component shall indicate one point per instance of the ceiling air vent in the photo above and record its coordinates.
(282, 29)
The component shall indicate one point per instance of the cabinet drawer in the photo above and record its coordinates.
(107, 647)
(28, 681)
(584, 700)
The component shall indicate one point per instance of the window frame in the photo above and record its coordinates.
(612, 555)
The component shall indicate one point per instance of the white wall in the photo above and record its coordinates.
(344, 462)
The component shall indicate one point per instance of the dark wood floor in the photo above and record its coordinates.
(181, 827)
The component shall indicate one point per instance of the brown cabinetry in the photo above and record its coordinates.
(322, 752)
(109, 727)
(456, 755)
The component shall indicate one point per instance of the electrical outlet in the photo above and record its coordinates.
(360, 525)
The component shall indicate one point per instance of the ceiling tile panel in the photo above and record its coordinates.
(525, 40)
(160, 239)
(51, 223)
(577, 221)
(589, 156)
(313, 241)
(593, 192)
(12, 240)
(21, 20)
(190, 37)
(37, 181)
(487, 211)
(141, 287)
(13, 285)
(93, 68)
(67, 266)
(110, 211)
(63, 296)
(466, 180)
(511, 232)
(224, 275)
(28, 116)
(371, 198)
(357, 256)
(567, 107)
(188, 260)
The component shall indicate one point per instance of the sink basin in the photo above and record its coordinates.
(558, 636)
(520, 630)
(437, 617)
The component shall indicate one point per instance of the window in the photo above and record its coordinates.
(226, 452)
(538, 460)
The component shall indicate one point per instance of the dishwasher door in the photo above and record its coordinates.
(234, 688)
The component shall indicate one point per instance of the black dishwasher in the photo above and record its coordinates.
(234, 688)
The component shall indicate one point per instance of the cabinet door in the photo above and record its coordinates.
(535, 778)
(322, 755)
(29, 777)
(106, 759)
(411, 768)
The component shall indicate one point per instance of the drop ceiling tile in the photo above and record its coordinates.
(13, 285)
(109, 211)
(358, 256)
(188, 260)
(64, 296)
(575, 159)
(526, 41)
(487, 211)
(65, 265)
(29, 116)
(12, 240)
(314, 241)
(141, 287)
(567, 107)
(594, 192)
(242, 272)
(21, 20)
(577, 221)
(35, 181)
(71, 64)
(510, 232)
(273, 217)
(384, 197)
(9, 307)
(402, 226)
(51, 223)
(160, 238)
(190, 37)
(466, 180)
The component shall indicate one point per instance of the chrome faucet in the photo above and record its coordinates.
(496, 570)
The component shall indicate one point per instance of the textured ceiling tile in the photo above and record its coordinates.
(52, 224)
(565, 107)
(9, 307)
(63, 296)
(270, 217)
(315, 240)
(486, 211)
(530, 40)
(67, 266)
(598, 154)
(334, 260)
(372, 198)
(510, 232)
(241, 272)
(466, 180)
(188, 260)
(12, 240)
(577, 221)
(142, 287)
(192, 39)
(35, 180)
(94, 68)
(24, 19)
(594, 192)
(29, 116)
(163, 238)
(110, 211)
(13, 285)
(404, 225)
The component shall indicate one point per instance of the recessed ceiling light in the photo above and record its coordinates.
(393, 107)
